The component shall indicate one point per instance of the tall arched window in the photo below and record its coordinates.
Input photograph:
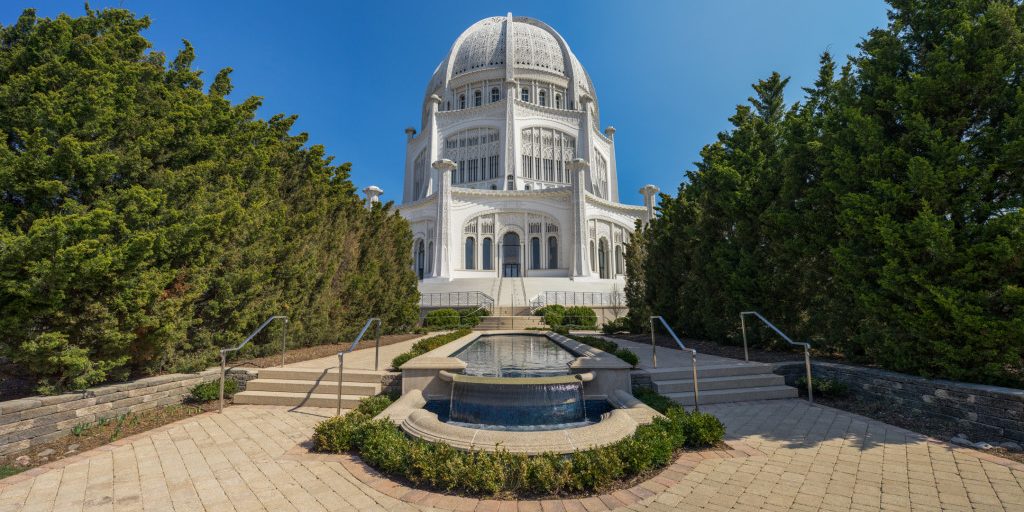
(558, 101)
(542, 97)
(420, 257)
(552, 252)
(470, 253)
(495, 94)
(525, 95)
(478, 98)
(602, 258)
(546, 154)
(618, 259)
(593, 257)
(475, 151)
(430, 258)
(511, 182)
(535, 253)
(462, 101)
(488, 263)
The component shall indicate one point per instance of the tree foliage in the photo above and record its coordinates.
(144, 223)
(880, 216)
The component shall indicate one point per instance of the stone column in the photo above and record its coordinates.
(443, 177)
(373, 193)
(613, 173)
(434, 144)
(649, 191)
(581, 244)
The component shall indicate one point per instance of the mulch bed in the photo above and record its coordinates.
(758, 354)
(95, 434)
(296, 355)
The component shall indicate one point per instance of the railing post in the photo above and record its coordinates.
(341, 372)
(223, 364)
(696, 393)
(376, 357)
(654, 350)
(743, 327)
(807, 363)
(284, 340)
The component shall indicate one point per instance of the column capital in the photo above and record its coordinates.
(444, 165)
(373, 193)
(578, 164)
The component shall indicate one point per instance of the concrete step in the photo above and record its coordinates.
(719, 396)
(716, 383)
(325, 400)
(509, 322)
(708, 371)
(314, 387)
(328, 375)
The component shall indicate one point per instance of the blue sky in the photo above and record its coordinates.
(668, 74)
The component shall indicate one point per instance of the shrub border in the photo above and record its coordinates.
(672, 474)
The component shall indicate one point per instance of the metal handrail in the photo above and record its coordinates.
(224, 351)
(693, 356)
(574, 298)
(449, 299)
(806, 346)
(341, 356)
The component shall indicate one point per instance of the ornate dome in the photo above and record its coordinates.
(535, 47)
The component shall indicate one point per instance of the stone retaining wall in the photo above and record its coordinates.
(28, 422)
(993, 411)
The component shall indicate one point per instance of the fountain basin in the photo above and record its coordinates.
(518, 391)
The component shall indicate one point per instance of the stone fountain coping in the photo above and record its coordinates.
(620, 423)
(588, 357)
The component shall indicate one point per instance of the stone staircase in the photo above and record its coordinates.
(721, 383)
(503, 322)
(310, 387)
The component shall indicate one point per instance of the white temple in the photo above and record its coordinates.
(510, 174)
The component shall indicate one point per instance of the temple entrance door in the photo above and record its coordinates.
(511, 255)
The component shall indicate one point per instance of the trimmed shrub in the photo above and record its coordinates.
(654, 400)
(628, 356)
(615, 326)
(823, 387)
(373, 405)
(580, 316)
(426, 345)
(446, 318)
(383, 445)
(210, 390)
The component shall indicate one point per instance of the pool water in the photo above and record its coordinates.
(515, 355)
(521, 418)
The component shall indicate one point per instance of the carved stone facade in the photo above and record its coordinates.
(510, 174)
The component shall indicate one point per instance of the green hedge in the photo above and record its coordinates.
(449, 318)
(608, 346)
(426, 345)
(210, 390)
(617, 325)
(384, 446)
(556, 316)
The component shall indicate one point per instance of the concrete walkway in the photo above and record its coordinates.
(800, 457)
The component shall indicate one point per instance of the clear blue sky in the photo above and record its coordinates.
(668, 74)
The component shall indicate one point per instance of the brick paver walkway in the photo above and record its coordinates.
(807, 458)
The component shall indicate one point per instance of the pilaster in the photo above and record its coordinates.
(442, 229)
(581, 256)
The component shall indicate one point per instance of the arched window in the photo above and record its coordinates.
(448, 105)
(478, 98)
(558, 101)
(527, 187)
(593, 257)
(488, 263)
(495, 94)
(462, 101)
(602, 258)
(525, 94)
(430, 258)
(535, 253)
(470, 253)
(511, 182)
(552, 252)
(618, 259)
(420, 257)
(542, 96)
(494, 187)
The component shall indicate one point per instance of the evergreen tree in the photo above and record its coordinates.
(146, 223)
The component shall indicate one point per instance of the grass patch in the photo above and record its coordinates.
(6, 471)
(382, 445)
(426, 345)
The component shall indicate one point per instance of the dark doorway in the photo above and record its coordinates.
(511, 257)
